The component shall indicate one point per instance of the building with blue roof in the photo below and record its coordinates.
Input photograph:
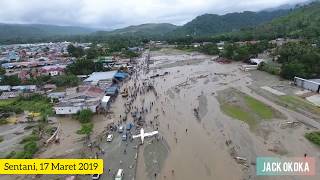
(121, 76)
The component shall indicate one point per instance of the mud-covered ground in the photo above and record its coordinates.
(197, 138)
(203, 141)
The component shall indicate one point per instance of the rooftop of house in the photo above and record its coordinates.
(77, 103)
(87, 92)
(98, 76)
(53, 67)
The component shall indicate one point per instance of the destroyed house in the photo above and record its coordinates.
(85, 97)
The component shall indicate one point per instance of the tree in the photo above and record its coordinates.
(40, 80)
(81, 66)
(2, 71)
(130, 54)
(84, 116)
(75, 51)
(241, 54)
(92, 53)
(228, 51)
(11, 80)
(290, 70)
(84, 66)
(299, 59)
(68, 80)
(210, 49)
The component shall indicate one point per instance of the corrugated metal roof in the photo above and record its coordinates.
(98, 76)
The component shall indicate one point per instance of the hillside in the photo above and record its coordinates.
(303, 22)
(13, 32)
(211, 24)
(144, 30)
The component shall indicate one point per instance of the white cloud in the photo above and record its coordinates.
(119, 13)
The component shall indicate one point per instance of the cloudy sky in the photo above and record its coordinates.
(120, 13)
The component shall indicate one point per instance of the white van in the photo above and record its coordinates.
(119, 175)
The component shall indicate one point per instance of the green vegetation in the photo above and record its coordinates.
(28, 33)
(86, 128)
(75, 51)
(296, 103)
(299, 59)
(32, 137)
(29, 149)
(33, 103)
(3, 121)
(6, 102)
(84, 66)
(129, 54)
(12, 80)
(151, 30)
(68, 80)
(30, 142)
(314, 137)
(302, 22)
(244, 52)
(293, 59)
(2, 71)
(211, 24)
(200, 28)
(270, 67)
(262, 110)
(238, 113)
(1, 139)
(187, 48)
(84, 116)
(245, 108)
(7, 109)
(65, 80)
(210, 49)
(10, 155)
(39, 80)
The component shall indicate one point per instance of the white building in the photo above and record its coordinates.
(65, 108)
(311, 84)
(95, 77)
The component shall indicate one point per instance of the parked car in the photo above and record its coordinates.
(119, 175)
(124, 137)
(109, 137)
(121, 129)
(129, 126)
